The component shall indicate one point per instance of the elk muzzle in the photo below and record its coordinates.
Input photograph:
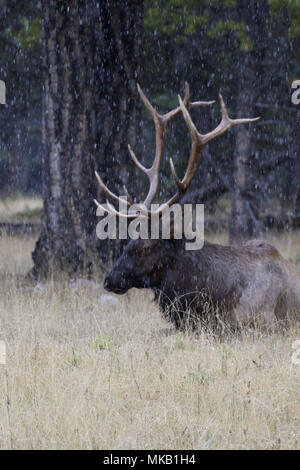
(117, 286)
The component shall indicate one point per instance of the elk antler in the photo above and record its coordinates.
(160, 122)
(198, 143)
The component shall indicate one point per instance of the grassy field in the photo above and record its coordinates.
(86, 371)
(20, 209)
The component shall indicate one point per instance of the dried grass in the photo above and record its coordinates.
(86, 373)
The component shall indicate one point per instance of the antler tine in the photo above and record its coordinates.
(155, 115)
(126, 215)
(111, 210)
(108, 192)
(105, 209)
(136, 161)
(195, 153)
(195, 104)
(188, 119)
(225, 123)
(130, 200)
(187, 93)
(177, 180)
(153, 172)
(175, 112)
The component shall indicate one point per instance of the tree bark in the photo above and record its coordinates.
(91, 53)
(15, 158)
(245, 208)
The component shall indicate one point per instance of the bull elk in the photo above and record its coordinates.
(245, 284)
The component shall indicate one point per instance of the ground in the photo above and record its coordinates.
(89, 372)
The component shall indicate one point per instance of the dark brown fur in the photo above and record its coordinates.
(250, 283)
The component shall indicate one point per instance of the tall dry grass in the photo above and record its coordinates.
(87, 372)
(19, 208)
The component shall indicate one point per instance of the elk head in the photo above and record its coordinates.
(144, 262)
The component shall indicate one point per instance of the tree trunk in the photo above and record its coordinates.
(13, 184)
(243, 211)
(91, 64)
(245, 208)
